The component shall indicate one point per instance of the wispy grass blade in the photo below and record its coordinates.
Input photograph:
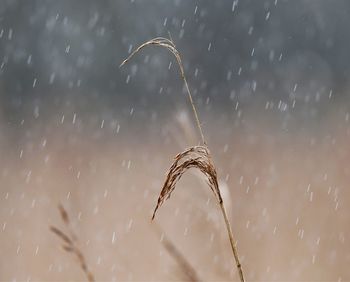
(70, 245)
(194, 157)
(170, 45)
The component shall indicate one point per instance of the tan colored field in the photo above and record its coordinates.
(287, 195)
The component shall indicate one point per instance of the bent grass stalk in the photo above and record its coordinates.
(70, 244)
(186, 267)
(194, 157)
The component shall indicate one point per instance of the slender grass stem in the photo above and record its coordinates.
(232, 242)
(198, 156)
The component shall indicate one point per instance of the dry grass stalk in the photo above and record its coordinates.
(186, 267)
(197, 156)
(70, 244)
(169, 44)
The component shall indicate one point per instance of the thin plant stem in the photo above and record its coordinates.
(202, 161)
(194, 109)
(169, 44)
(232, 242)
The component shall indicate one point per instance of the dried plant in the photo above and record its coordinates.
(187, 269)
(169, 44)
(194, 157)
(197, 157)
(70, 243)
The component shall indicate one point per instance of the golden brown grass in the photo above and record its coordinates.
(194, 157)
(70, 243)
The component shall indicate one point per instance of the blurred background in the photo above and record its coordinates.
(270, 80)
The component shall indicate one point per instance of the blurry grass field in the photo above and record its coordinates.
(289, 205)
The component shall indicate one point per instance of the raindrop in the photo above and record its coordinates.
(256, 180)
(129, 164)
(52, 78)
(225, 148)
(330, 94)
(254, 85)
(95, 210)
(234, 4)
(301, 233)
(130, 224)
(308, 188)
(295, 87)
(36, 112)
(130, 48)
(34, 82)
(250, 31)
(29, 174)
(186, 231)
(10, 34)
(29, 60)
(229, 75)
